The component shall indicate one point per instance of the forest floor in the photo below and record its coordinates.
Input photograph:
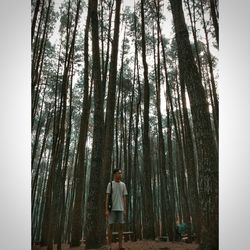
(137, 245)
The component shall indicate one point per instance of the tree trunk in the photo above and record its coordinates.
(161, 143)
(38, 131)
(215, 20)
(109, 124)
(206, 147)
(135, 159)
(118, 109)
(215, 97)
(194, 32)
(191, 167)
(171, 195)
(148, 225)
(80, 156)
(94, 202)
(130, 156)
(182, 165)
(38, 2)
(61, 197)
(36, 62)
(34, 182)
(105, 72)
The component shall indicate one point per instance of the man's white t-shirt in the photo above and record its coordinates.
(118, 191)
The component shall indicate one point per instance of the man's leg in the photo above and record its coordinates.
(120, 228)
(110, 225)
(110, 235)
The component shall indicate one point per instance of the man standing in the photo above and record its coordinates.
(119, 206)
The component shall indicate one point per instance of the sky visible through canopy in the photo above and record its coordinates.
(166, 25)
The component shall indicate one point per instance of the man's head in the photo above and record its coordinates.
(117, 173)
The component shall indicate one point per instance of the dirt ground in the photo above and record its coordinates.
(138, 245)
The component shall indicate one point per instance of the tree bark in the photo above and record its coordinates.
(94, 202)
(194, 32)
(169, 106)
(148, 224)
(34, 182)
(210, 64)
(80, 156)
(191, 167)
(215, 19)
(38, 2)
(135, 158)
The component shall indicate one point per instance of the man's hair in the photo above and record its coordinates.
(116, 170)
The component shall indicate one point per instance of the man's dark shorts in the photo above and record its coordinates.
(116, 217)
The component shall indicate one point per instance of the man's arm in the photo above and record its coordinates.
(106, 204)
(125, 203)
(106, 201)
(125, 194)
(108, 191)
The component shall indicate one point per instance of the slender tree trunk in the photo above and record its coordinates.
(194, 32)
(62, 201)
(79, 163)
(161, 143)
(38, 130)
(34, 182)
(215, 97)
(215, 19)
(130, 156)
(117, 125)
(181, 167)
(38, 2)
(125, 138)
(37, 231)
(37, 40)
(169, 105)
(105, 72)
(38, 87)
(94, 203)
(111, 100)
(191, 167)
(148, 225)
(118, 108)
(135, 160)
(36, 64)
(208, 85)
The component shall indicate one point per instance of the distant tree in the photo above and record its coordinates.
(215, 17)
(148, 223)
(80, 166)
